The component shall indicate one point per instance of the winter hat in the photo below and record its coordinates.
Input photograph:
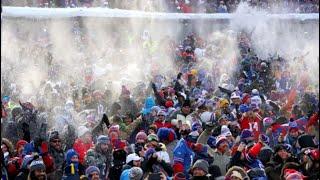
(179, 176)
(265, 139)
(267, 121)
(215, 171)
(161, 112)
(82, 130)
(156, 108)
(201, 164)
(70, 153)
(114, 129)
(212, 141)
(149, 103)
(236, 174)
(245, 98)
(169, 104)
(166, 134)
(152, 137)
(265, 155)
(200, 104)
(220, 139)
(306, 141)
(293, 126)
(118, 144)
(193, 136)
(132, 157)
(225, 131)
(21, 142)
(141, 135)
(92, 169)
(136, 173)
(195, 125)
(243, 108)
(149, 152)
(178, 167)
(102, 139)
(27, 159)
(257, 174)
(245, 134)
(37, 164)
(279, 147)
(207, 117)
(292, 174)
(186, 103)
(255, 92)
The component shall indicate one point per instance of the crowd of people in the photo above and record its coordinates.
(179, 6)
(261, 122)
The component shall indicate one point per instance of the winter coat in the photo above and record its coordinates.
(128, 106)
(99, 159)
(81, 148)
(58, 157)
(274, 167)
(221, 160)
(183, 154)
(125, 174)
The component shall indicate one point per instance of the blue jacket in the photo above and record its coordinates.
(125, 174)
(183, 154)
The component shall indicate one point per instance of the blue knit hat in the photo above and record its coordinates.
(37, 164)
(195, 125)
(166, 134)
(92, 169)
(26, 161)
(245, 134)
(243, 108)
(212, 141)
(70, 153)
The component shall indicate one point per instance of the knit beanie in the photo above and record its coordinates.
(166, 134)
(225, 131)
(245, 134)
(212, 142)
(92, 169)
(265, 139)
(220, 139)
(102, 139)
(141, 135)
(292, 174)
(152, 137)
(136, 173)
(201, 164)
(267, 121)
(37, 164)
(70, 153)
(195, 125)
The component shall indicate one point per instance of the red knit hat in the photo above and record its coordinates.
(21, 142)
(178, 167)
(292, 174)
(169, 104)
(179, 176)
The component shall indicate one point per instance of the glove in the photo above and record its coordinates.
(153, 85)
(105, 119)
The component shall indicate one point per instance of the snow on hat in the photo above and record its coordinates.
(92, 169)
(102, 139)
(267, 121)
(206, 117)
(166, 134)
(220, 139)
(141, 135)
(54, 135)
(37, 164)
(246, 133)
(225, 131)
(132, 157)
(292, 174)
(211, 141)
(136, 173)
(201, 164)
(82, 130)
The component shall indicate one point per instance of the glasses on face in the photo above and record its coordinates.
(160, 115)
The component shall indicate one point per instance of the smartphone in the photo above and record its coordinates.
(155, 176)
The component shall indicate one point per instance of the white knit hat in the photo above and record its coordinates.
(82, 130)
(132, 157)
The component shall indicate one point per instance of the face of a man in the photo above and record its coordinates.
(294, 133)
(137, 163)
(56, 144)
(104, 147)
(161, 118)
(75, 159)
(40, 174)
(283, 154)
(186, 109)
(198, 172)
(94, 176)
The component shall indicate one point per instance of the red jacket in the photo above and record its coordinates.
(255, 126)
(160, 124)
(81, 148)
